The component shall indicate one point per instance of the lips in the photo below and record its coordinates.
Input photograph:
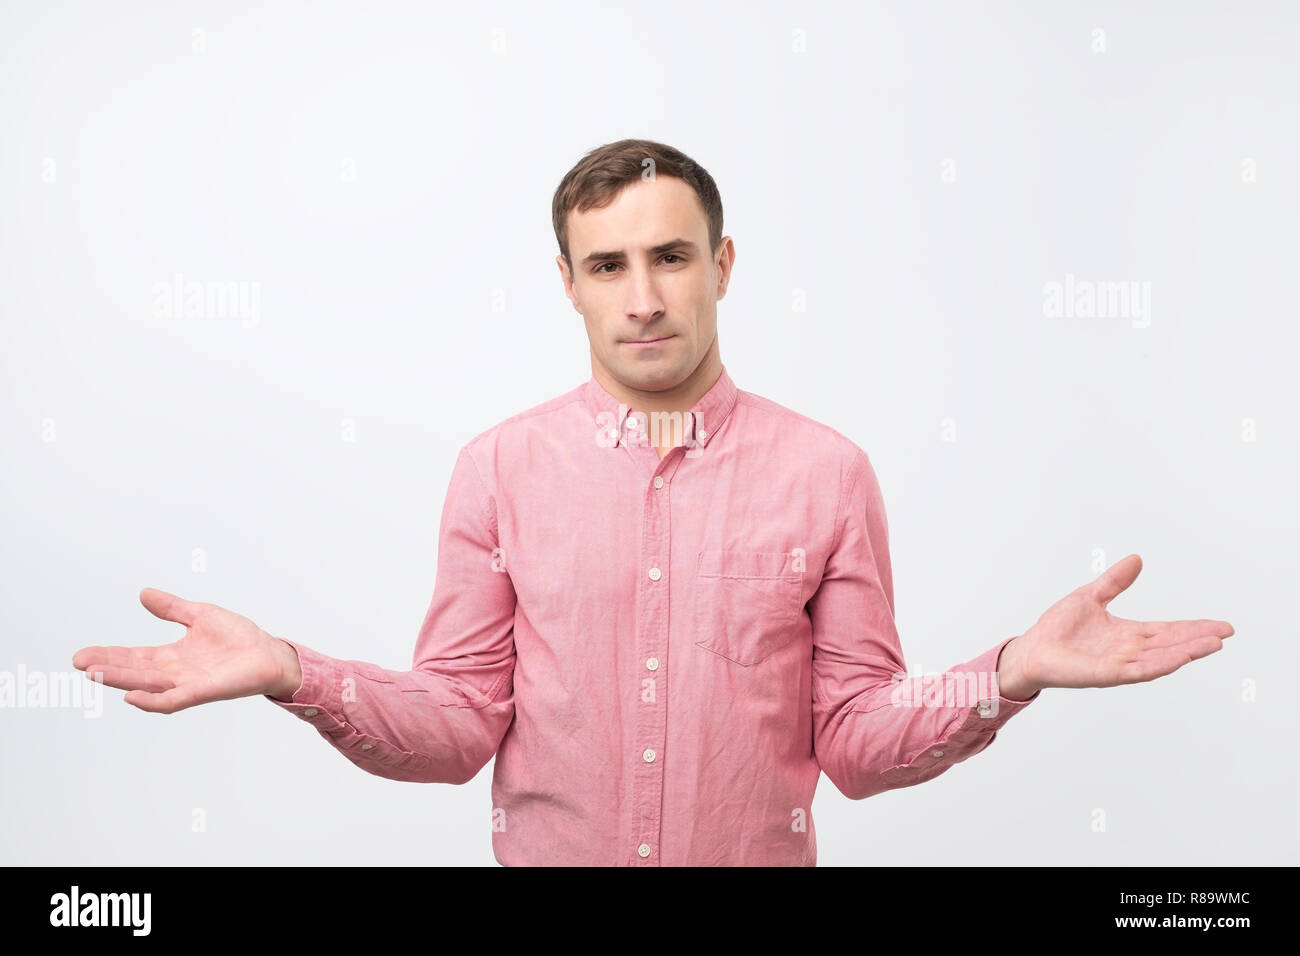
(662, 338)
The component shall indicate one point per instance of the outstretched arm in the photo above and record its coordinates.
(877, 729)
(441, 721)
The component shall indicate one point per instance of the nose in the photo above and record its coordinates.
(644, 303)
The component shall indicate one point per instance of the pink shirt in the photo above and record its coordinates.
(663, 654)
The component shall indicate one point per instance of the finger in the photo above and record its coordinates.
(1116, 578)
(167, 702)
(119, 656)
(1169, 633)
(1165, 660)
(130, 678)
(168, 606)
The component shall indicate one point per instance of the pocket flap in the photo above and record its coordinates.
(747, 564)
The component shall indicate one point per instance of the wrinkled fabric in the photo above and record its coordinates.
(663, 654)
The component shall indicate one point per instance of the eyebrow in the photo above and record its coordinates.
(619, 256)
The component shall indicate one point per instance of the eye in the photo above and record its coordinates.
(672, 255)
(600, 268)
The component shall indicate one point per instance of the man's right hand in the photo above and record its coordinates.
(222, 656)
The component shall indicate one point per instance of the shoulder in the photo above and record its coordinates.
(515, 437)
(823, 446)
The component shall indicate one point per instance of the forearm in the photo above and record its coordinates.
(430, 725)
(898, 731)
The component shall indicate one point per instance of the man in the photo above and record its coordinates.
(663, 603)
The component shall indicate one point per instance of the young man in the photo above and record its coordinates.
(663, 603)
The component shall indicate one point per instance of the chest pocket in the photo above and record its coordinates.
(747, 603)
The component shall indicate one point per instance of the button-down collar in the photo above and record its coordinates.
(617, 423)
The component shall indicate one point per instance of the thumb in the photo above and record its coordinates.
(1116, 578)
(167, 606)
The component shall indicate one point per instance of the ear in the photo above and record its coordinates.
(567, 278)
(726, 259)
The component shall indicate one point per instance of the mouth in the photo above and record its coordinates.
(640, 343)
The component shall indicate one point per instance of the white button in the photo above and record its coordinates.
(984, 708)
(367, 746)
(659, 481)
(310, 712)
(643, 849)
(648, 756)
(631, 423)
(938, 753)
(652, 664)
(702, 434)
(655, 574)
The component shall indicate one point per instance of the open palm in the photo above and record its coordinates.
(222, 656)
(1079, 643)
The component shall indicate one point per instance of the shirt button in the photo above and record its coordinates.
(702, 435)
(938, 753)
(652, 664)
(984, 708)
(643, 849)
(367, 746)
(659, 481)
(655, 574)
(310, 712)
(648, 756)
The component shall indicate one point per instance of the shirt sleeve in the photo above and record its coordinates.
(441, 721)
(875, 728)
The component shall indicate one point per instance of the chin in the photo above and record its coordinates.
(653, 376)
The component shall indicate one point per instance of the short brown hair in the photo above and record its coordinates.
(602, 173)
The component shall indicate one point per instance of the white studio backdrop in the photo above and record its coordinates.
(924, 199)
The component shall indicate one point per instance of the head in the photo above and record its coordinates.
(643, 257)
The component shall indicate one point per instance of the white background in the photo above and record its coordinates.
(385, 173)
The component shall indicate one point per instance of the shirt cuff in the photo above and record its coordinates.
(990, 709)
(317, 690)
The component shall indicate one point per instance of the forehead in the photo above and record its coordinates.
(643, 214)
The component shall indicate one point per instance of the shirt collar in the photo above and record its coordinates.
(616, 423)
